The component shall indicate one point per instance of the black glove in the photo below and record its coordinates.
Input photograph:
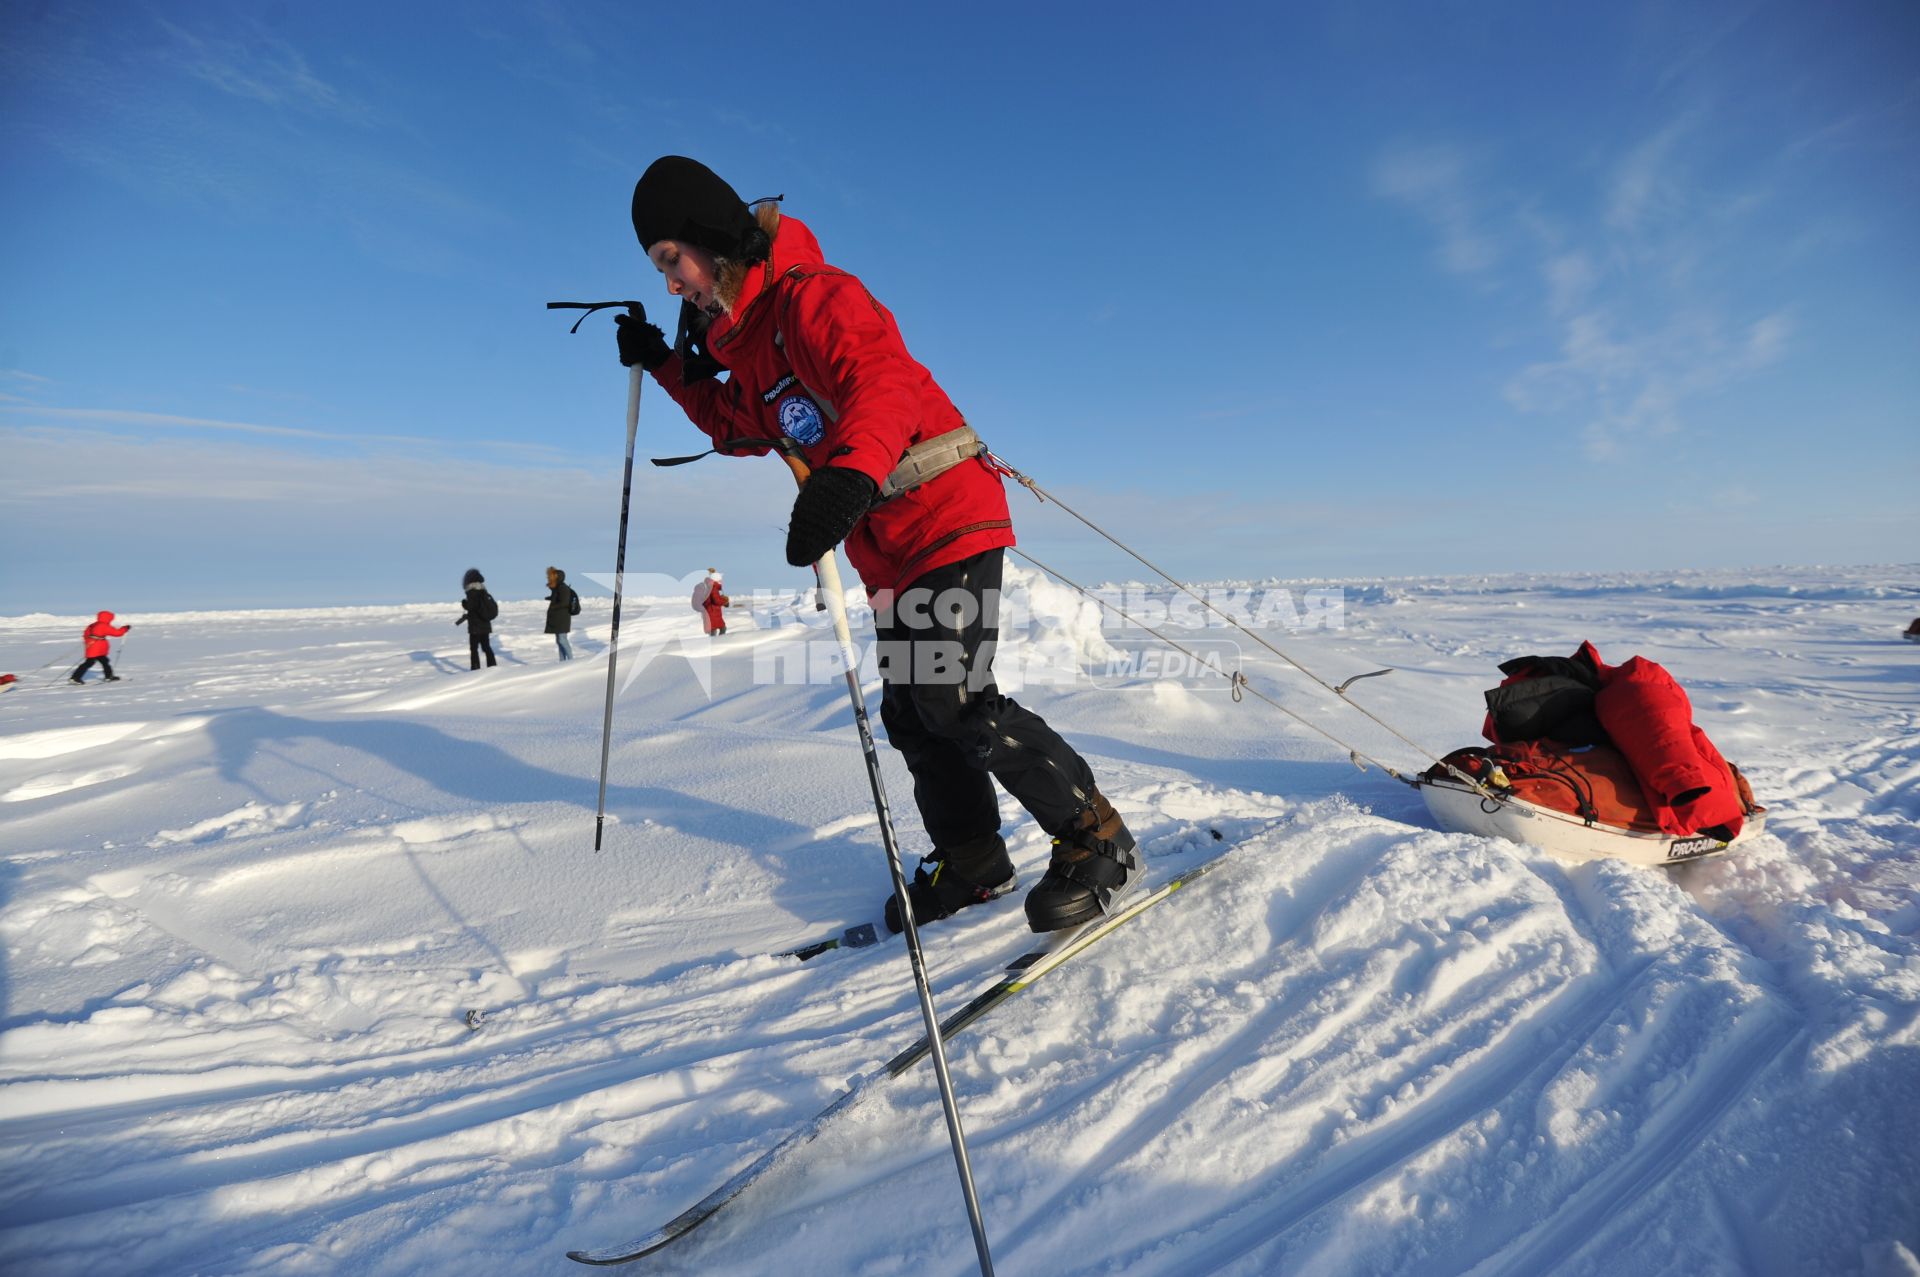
(641, 343)
(825, 511)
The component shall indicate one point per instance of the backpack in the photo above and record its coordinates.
(573, 607)
(490, 606)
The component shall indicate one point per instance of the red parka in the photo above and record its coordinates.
(1685, 778)
(710, 600)
(99, 632)
(811, 355)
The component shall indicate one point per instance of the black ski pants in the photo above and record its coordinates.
(478, 643)
(106, 667)
(942, 710)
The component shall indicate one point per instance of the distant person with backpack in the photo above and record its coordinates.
(709, 599)
(562, 606)
(96, 636)
(478, 611)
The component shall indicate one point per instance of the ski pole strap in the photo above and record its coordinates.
(725, 447)
(634, 308)
(921, 464)
(1342, 689)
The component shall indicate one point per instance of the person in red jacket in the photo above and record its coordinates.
(96, 636)
(709, 600)
(813, 358)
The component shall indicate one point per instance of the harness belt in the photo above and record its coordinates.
(929, 459)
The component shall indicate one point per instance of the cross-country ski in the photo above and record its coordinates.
(1021, 974)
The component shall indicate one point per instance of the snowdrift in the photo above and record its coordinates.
(249, 896)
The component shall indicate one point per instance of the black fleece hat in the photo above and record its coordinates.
(683, 199)
(473, 577)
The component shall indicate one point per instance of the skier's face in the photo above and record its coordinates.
(689, 272)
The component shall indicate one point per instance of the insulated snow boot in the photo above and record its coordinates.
(113, 678)
(966, 874)
(1094, 863)
(77, 681)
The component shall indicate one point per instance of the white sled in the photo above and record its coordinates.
(1461, 810)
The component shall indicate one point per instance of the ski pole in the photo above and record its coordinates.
(634, 374)
(829, 569)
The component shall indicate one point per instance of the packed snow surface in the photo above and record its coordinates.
(250, 895)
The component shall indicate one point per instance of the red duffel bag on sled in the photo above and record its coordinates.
(1610, 764)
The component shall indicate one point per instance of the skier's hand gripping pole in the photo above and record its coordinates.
(829, 569)
(639, 313)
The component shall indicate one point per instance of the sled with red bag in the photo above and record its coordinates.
(1590, 760)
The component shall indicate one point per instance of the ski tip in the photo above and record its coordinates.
(638, 1250)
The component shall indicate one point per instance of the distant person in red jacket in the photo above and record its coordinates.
(96, 636)
(813, 358)
(708, 600)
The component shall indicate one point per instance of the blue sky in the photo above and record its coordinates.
(1324, 290)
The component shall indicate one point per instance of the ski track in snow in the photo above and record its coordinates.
(249, 895)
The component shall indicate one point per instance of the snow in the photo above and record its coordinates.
(250, 894)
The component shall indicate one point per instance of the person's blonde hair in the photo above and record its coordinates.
(730, 274)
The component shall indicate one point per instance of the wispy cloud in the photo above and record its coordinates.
(1641, 330)
(232, 117)
(1643, 183)
(81, 423)
(171, 520)
(1636, 387)
(260, 67)
(1570, 279)
(1433, 181)
(198, 471)
(162, 420)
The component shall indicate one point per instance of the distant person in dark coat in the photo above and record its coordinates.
(562, 606)
(96, 636)
(477, 613)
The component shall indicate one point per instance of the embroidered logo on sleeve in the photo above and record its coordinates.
(800, 420)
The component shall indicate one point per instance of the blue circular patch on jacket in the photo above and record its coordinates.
(800, 420)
